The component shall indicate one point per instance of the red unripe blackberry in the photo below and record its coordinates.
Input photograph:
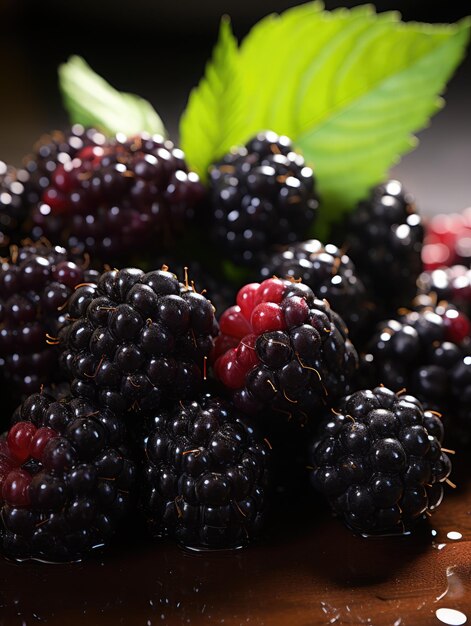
(205, 475)
(136, 340)
(66, 479)
(282, 350)
(115, 196)
(35, 284)
(378, 460)
(448, 240)
(262, 194)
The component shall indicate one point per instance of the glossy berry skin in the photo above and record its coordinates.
(118, 195)
(205, 475)
(66, 479)
(384, 238)
(35, 284)
(329, 273)
(261, 194)
(379, 462)
(136, 340)
(428, 352)
(282, 350)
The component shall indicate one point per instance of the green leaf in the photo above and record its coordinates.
(350, 87)
(214, 119)
(91, 101)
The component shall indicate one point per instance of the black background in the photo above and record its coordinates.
(158, 49)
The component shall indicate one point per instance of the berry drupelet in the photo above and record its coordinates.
(66, 480)
(379, 461)
(35, 284)
(137, 339)
(281, 349)
(428, 352)
(117, 195)
(262, 194)
(205, 475)
(329, 273)
(384, 239)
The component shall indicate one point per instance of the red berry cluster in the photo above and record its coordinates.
(257, 311)
(448, 240)
(23, 443)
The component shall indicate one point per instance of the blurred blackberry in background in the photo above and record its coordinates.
(428, 352)
(448, 283)
(35, 284)
(16, 194)
(66, 479)
(379, 461)
(261, 195)
(384, 238)
(136, 340)
(329, 273)
(56, 149)
(113, 197)
(205, 475)
(283, 351)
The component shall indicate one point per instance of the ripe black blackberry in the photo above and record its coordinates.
(205, 475)
(136, 340)
(448, 283)
(262, 194)
(117, 196)
(16, 194)
(379, 461)
(428, 352)
(66, 479)
(35, 284)
(282, 350)
(329, 273)
(384, 238)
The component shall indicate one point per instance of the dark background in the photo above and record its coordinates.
(158, 49)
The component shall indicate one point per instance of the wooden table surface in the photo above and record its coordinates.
(305, 572)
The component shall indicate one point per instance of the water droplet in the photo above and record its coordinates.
(452, 617)
(454, 535)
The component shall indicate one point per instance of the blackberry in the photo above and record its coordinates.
(55, 150)
(66, 479)
(205, 475)
(117, 196)
(384, 239)
(35, 284)
(449, 283)
(15, 195)
(329, 273)
(379, 461)
(428, 352)
(136, 340)
(283, 350)
(262, 194)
